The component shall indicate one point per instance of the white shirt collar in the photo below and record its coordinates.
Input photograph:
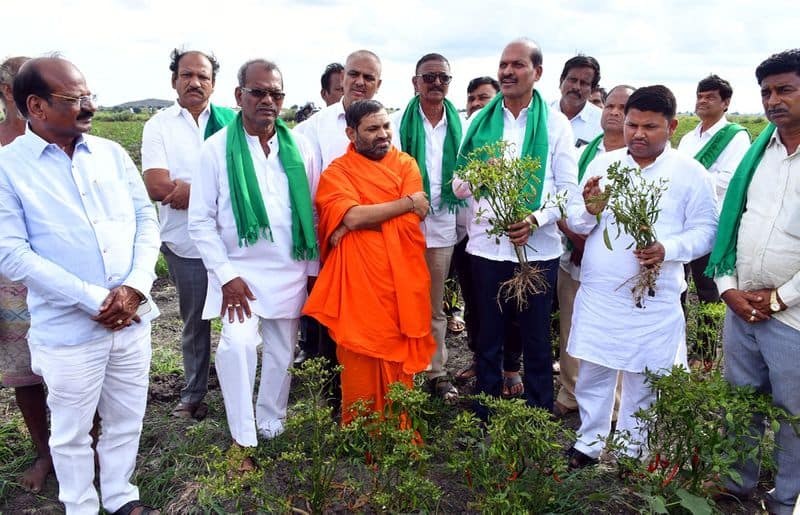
(722, 122)
(37, 146)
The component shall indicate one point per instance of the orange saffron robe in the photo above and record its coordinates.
(373, 291)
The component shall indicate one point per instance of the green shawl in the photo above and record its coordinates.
(219, 118)
(589, 153)
(412, 139)
(714, 147)
(723, 257)
(487, 127)
(247, 202)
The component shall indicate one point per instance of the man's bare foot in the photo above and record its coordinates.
(34, 477)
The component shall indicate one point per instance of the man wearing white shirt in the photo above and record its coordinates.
(756, 264)
(581, 75)
(80, 232)
(610, 333)
(519, 116)
(250, 215)
(569, 271)
(171, 144)
(719, 146)
(325, 132)
(430, 131)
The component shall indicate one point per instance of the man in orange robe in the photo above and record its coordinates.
(373, 292)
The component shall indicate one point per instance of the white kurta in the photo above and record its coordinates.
(439, 227)
(607, 327)
(277, 281)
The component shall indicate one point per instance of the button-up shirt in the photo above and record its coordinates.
(325, 131)
(565, 262)
(71, 230)
(608, 328)
(275, 278)
(439, 227)
(768, 245)
(585, 124)
(722, 169)
(561, 173)
(171, 140)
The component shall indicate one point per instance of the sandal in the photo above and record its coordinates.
(467, 373)
(187, 410)
(455, 324)
(561, 411)
(442, 387)
(512, 385)
(129, 507)
(579, 460)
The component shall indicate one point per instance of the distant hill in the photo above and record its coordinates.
(149, 103)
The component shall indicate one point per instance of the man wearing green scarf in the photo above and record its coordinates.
(756, 265)
(612, 120)
(251, 218)
(430, 131)
(171, 144)
(521, 117)
(719, 146)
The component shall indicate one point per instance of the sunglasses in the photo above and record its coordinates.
(277, 96)
(430, 78)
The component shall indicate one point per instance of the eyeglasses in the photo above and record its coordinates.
(430, 78)
(81, 101)
(277, 96)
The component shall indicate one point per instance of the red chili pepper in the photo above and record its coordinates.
(670, 476)
(653, 465)
(556, 477)
(469, 477)
(368, 458)
(664, 463)
(513, 476)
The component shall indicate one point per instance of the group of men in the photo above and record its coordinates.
(353, 219)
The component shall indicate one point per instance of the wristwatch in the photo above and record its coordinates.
(774, 304)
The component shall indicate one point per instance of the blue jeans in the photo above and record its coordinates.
(766, 355)
(495, 323)
(191, 282)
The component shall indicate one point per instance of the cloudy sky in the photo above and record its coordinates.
(123, 46)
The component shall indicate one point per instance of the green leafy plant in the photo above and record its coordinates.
(633, 202)
(390, 448)
(312, 434)
(514, 463)
(508, 184)
(697, 430)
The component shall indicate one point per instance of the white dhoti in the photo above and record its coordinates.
(236, 361)
(109, 376)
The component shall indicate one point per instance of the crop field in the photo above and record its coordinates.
(513, 464)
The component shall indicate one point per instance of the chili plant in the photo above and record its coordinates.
(633, 202)
(509, 185)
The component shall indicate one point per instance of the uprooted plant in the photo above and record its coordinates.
(509, 185)
(634, 204)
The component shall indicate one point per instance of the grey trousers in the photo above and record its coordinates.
(766, 355)
(191, 281)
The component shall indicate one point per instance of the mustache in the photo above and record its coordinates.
(777, 111)
(196, 90)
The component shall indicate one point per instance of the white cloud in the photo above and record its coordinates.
(123, 46)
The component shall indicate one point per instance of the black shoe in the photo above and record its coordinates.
(300, 358)
(579, 460)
